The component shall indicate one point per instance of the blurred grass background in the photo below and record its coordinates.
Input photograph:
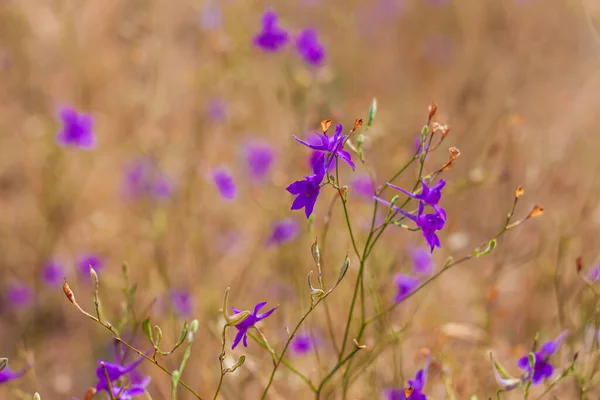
(516, 80)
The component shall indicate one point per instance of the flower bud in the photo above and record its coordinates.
(325, 124)
(536, 211)
(432, 110)
(519, 192)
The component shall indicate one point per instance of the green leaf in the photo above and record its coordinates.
(372, 112)
(148, 330)
(488, 249)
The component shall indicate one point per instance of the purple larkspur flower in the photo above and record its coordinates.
(594, 273)
(309, 47)
(53, 273)
(422, 261)
(248, 323)
(272, 37)
(143, 179)
(542, 368)
(331, 147)
(182, 302)
(284, 231)
(115, 371)
(363, 186)
(302, 343)
(8, 375)
(417, 384)
(259, 157)
(429, 195)
(137, 387)
(19, 294)
(429, 223)
(307, 190)
(224, 182)
(217, 109)
(405, 284)
(76, 130)
(88, 260)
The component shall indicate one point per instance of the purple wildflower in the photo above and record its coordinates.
(248, 323)
(143, 179)
(302, 343)
(284, 231)
(363, 186)
(307, 190)
(429, 195)
(259, 158)
(542, 368)
(88, 260)
(406, 284)
(416, 384)
(19, 294)
(422, 262)
(53, 273)
(333, 145)
(8, 375)
(182, 302)
(114, 372)
(224, 182)
(76, 130)
(429, 223)
(137, 387)
(594, 273)
(309, 47)
(272, 37)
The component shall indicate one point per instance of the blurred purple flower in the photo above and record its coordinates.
(76, 130)
(542, 368)
(272, 37)
(284, 231)
(362, 186)
(143, 179)
(114, 371)
(224, 182)
(210, 18)
(182, 302)
(19, 294)
(249, 322)
(405, 285)
(418, 146)
(302, 343)
(594, 273)
(88, 260)
(436, 3)
(416, 384)
(309, 47)
(429, 195)
(259, 157)
(217, 109)
(422, 261)
(53, 273)
(307, 190)
(8, 375)
(332, 146)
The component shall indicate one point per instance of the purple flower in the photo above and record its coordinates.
(259, 158)
(429, 195)
(19, 294)
(182, 302)
(53, 273)
(143, 179)
(422, 262)
(86, 261)
(309, 47)
(248, 323)
(76, 130)
(307, 190)
(224, 182)
(542, 368)
(333, 145)
(284, 231)
(406, 284)
(114, 372)
(416, 384)
(302, 344)
(363, 186)
(137, 387)
(594, 273)
(429, 223)
(7, 375)
(272, 37)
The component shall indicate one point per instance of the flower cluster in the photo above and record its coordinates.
(273, 37)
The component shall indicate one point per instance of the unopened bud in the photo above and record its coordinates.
(432, 110)
(519, 192)
(316, 253)
(68, 292)
(314, 291)
(536, 211)
(325, 124)
(357, 124)
(238, 318)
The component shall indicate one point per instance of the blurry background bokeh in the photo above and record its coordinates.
(177, 90)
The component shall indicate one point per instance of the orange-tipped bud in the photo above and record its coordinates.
(519, 192)
(90, 393)
(357, 124)
(325, 124)
(432, 110)
(69, 292)
(536, 211)
(408, 392)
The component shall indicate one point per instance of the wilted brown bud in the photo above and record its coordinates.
(454, 154)
(537, 210)
(69, 292)
(575, 356)
(432, 110)
(325, 124)
(519, 192)
(579, 264)
(90, 393)
(357, 124)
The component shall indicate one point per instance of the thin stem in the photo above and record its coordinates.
(221, 359)
(334, 370)
(108, 382)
